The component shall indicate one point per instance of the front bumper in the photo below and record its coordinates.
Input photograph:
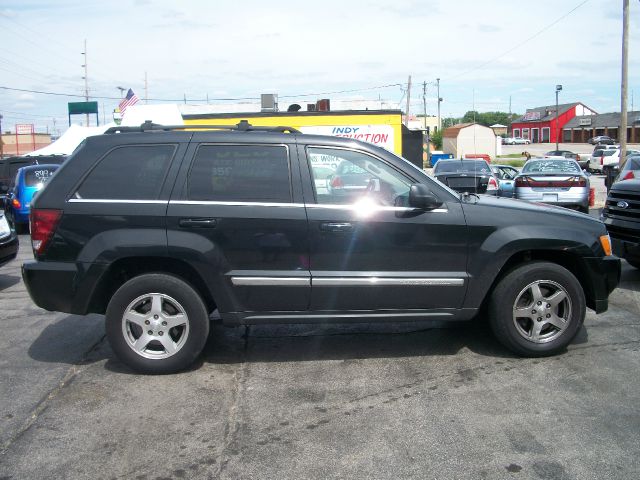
(8, 248)
(61, 286)
(604, 276)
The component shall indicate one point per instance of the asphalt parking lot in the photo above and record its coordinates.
(341, 401)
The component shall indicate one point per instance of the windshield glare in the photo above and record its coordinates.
(564, 166)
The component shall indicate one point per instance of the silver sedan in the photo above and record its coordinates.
(558, 181)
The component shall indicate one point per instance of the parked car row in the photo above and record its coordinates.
(554, 180)
(515, 141)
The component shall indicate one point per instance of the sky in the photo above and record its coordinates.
(484, 52)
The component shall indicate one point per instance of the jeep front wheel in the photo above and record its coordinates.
(537, 309)
(157, 323)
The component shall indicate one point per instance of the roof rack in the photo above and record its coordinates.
(243, 126)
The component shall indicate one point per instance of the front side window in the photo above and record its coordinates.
(240, 173)
(132, 172)
(355, 177)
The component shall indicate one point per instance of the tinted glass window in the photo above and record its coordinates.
(358, 178)
(33, 177)
(241, 173)
(461, 166)
(133, 172)
(608, 153)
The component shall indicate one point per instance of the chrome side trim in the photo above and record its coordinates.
(382, 281)
(329, 206)
(236, 204)
(113, 200)
(271, 281)
(354, 315)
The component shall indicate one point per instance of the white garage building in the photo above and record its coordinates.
(469, 139)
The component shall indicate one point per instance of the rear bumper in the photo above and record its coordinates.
(574, 196)
(604, 276)
(8, 249)
(60, 286)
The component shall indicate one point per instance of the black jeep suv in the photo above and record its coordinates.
(159, 227)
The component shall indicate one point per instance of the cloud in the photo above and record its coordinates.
(26, 97)
(489, 28)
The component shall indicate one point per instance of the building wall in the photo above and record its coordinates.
(555, 126)
(13, 144)
(474, 139)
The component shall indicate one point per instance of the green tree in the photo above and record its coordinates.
(436, 139)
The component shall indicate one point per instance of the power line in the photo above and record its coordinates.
(521, 43)
(59, 94)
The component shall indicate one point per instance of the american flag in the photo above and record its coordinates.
(130, 99)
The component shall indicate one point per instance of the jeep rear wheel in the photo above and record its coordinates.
(537, 309)
(157, 323)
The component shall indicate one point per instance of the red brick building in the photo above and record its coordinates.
(543, 125)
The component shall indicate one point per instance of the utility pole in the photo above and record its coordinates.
(426, 133)
(558, 89)
(146, 89)
(86, 77)
(623, 93)
(1, 140)
(509, 107)
(408, 99)
(439, 100)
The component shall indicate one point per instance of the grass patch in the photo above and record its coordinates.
(512, 163)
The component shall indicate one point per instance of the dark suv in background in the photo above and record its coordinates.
(159, 227)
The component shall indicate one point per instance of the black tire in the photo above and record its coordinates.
(511, 288)
(120, 333)
(584, 209)
(634, 262)
(22, 228)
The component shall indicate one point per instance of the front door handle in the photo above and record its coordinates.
(198, 222)
(336, 227)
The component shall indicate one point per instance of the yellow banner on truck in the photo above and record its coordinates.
(379, 127)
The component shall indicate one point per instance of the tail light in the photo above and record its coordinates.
(577, 157)
(629, 176)
(15, 203)
(492, 185)
(43, 226)
(522, 182)
(602, 160)
(336, 182)
(579, 182)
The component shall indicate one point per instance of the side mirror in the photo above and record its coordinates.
(420, 197)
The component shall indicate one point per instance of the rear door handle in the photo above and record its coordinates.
(336, 227)
(198, 222)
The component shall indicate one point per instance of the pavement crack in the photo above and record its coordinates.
(231, 444)
(45, 401)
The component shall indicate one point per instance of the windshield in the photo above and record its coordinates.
(544, 166)
(461, 166)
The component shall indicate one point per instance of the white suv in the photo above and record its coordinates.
(604, 157)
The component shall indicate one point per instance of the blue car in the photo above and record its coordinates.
(28, 181)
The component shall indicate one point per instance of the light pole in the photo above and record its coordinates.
(122, 90)
(558, 88)
(1, 142)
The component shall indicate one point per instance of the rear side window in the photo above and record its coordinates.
(33, 177)
(132, 172)
(240, 173)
